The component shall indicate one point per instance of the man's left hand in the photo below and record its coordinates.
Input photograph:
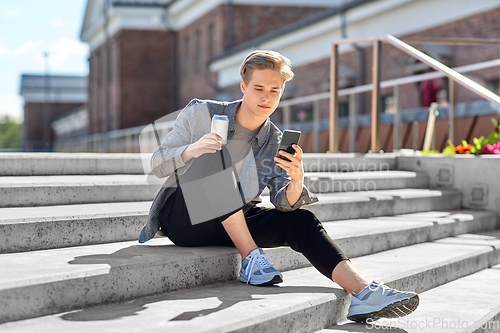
(294, 168)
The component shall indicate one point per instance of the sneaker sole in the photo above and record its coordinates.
(394, 310)
(276, 279)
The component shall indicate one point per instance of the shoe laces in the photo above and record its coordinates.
(257, 258)
(376, 285)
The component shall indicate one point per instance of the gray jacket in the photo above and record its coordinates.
(193, 123)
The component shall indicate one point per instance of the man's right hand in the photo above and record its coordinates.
(209, 143)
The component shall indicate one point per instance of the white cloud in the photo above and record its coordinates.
(27, 47)
(58, 22)
(63, 53)
(11, 105)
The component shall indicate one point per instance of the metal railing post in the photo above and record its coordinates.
(316, 121)
(334, 105)
(415, 134)
(128, 143)
(401, 132)
(352, 122)
(397, 132)
(452, 101)
(286, 116)
(430, 129)
(375, 144)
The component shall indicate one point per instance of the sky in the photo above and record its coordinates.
(28, 29)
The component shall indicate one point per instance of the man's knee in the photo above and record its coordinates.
(304, 215)
(304, 220)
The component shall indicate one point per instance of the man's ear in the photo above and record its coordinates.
(243, 87)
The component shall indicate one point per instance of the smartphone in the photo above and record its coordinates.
(287, 140)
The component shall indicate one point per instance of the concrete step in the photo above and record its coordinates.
(64, 190)
(51, 281)
(469, 304)
(305, 302)
(361, 237)
(321, 182)
(352, 205)
(31, 191)
(43, 164)
(348, 162)
(34, 228)
(48, 227)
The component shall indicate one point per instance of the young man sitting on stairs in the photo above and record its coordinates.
(195, 154)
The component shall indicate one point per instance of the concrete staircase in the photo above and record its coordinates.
(70, 259)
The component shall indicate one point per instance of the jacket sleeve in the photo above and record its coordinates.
(278, 186)
(167, 157)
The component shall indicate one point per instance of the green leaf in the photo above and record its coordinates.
(450, 150)
(492, 139)
(430, 152)
(479, 143)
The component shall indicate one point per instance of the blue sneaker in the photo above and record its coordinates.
(258, 270)
(379, 301)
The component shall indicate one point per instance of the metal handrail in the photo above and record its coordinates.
(433, 40)
(389, 83)
(454, 75)
(419, 77)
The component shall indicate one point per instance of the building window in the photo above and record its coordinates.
(388, 104)
(187, 57)
(494, 85)
(343, 109)
(198, 50)
(302, 113)
(211, 40)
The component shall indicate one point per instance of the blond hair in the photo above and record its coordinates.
(265, 59)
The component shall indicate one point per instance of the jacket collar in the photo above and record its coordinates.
(263, 135)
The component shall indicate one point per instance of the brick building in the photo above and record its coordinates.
(158, 51)
(47, 98)
(162, 53)
(308, 45)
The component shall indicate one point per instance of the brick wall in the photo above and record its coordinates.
(248, 22)
(147, 76)
(34, 120)
(197, 43)
(141, 83)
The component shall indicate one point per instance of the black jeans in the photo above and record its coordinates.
(299, 229)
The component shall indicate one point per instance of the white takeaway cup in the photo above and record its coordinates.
(219, 126)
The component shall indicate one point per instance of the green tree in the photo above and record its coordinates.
(10, 133)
